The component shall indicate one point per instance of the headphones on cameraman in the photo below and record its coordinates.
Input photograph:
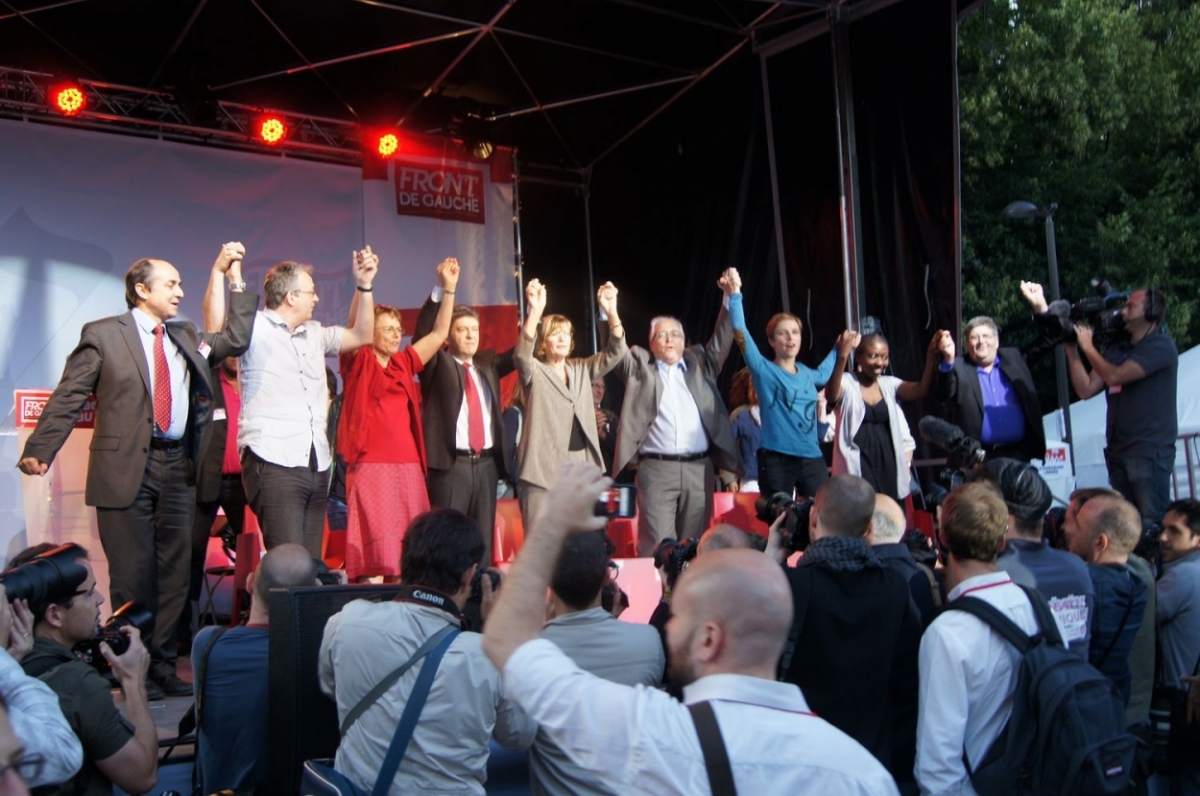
(1156, 305)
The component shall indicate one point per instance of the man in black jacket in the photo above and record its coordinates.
(854, 640)
(989, 394)
(463, 476)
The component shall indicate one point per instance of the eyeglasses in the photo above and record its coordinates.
(389, 329)
(312, 293)
(673, 334)
(27, 767)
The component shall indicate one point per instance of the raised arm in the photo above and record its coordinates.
(1085, 383)
(362, 331)
(915, 391)
(428, 345)
(846, 343)
(519, 611)
(615, 349)
(535, 301)
(1033, 293)
(228, 263)
(716, 351)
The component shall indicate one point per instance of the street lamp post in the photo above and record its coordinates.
(1022, 209)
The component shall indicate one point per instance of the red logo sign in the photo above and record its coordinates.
(1056, 455)
(439, 191)
(30, 403)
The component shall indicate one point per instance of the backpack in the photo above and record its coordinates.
(1067, 732)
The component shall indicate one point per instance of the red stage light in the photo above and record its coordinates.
(388, 144)
(68, 99)
(271, 129)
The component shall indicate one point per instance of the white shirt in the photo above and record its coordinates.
(177, 368)
(462, 429)
(285, 398)
(677, 430)
(640, 740)
(449, 748)
(968, 675)
(38, 722)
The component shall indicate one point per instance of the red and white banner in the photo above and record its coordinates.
(441, 191)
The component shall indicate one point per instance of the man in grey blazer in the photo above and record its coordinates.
(675, 427)
(150, 375)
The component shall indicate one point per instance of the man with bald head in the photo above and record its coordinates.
(150, 375)
(852, 647)
(887, 541)
(731, 611)
(231, 669)
(724, 536)
(674, 426)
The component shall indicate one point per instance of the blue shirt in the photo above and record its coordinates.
(787, 401)
(1063, 580)
(1003, 418)
(232, 734)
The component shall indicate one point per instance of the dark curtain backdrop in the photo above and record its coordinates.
(690, 194)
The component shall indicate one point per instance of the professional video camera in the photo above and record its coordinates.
(131, 614)
(1101, 311)
(50, 578)
(962, 452)
(795, 528)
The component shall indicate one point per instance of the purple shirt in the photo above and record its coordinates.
(1003, 418)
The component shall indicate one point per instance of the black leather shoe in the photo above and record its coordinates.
(153, 691)
(171, 685)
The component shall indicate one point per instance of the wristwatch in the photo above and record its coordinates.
(237, 287)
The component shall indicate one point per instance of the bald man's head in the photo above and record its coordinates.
(731, 612)
(724, 536)
(284, 566)
(889, 521)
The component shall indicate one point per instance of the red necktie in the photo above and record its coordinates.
(474, 412)
(162, 382)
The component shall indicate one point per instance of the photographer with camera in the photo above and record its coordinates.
(1140, 376)
(117, 750)
(853, 644)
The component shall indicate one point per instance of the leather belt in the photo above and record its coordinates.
(472, 454)
(674, 457)
(163, 444)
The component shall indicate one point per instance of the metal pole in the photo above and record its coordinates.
(518, 257)
(1060, 356)
(783, 280)
(852, 254)
(587, 227)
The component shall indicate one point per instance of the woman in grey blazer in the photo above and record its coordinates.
(560, 420)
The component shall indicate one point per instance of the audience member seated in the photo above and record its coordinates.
(724, 536)
(968, 671)
(1104, 533)
(1178, 615)
(887, 535)
(1030, 561)
(853, 643)
(232, 669)
(41, 730)
(448, 752)
(731, 614)
(598, 643)
(117, 750)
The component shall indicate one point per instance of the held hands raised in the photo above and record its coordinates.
(231, 253)
(947, 346)
(730, 282)
(366, 265)
(606, 297)
(938, 343)
(535, 296)
(848, 341)
(1033, 293)
(447, 274)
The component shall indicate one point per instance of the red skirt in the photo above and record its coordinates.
(382, 500)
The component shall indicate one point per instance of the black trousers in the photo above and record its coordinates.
(779, 472)
(231, 498)
(468, 486)
(148, 546)
(288, 501)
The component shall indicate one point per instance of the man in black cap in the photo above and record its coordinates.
(1061, 577)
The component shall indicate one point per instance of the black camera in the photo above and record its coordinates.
(673, 556)
(1101, 311)
(795, 528)
(52, 577)
(477, 582)
(131, 614)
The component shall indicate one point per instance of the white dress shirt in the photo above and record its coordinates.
(177, 368)
(38, 721)
(449, 748)
(462, 429)
(640, 740)
(678, 429)
(285, 398)
(968, 675)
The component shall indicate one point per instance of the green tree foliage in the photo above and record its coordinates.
(1093, 105)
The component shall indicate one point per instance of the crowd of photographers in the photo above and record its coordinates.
(851, 670)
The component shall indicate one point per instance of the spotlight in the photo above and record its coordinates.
(387, 145)
(68, 99)
(271, 130)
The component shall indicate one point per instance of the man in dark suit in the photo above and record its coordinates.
(675, 426)
(989, 394)
(150, 375)
(462, 475)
